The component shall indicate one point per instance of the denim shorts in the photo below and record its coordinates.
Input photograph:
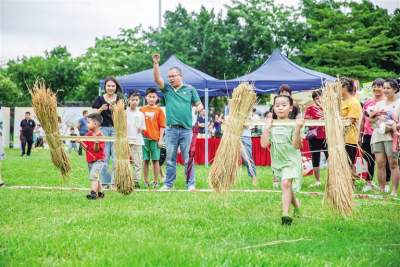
(95, 169)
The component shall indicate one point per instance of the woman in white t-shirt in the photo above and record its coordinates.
(384, 117)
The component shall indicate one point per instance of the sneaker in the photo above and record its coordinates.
(316, 184)
(393, 194)
(387, 188)
(367, 188)
(92, 195)
(286, 220)
(164, 188)
(191, 188)
(136, 185)
(100, 195)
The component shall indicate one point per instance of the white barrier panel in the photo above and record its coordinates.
(5, 125)
(69, 118)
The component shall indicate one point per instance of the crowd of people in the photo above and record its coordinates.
(371, 127)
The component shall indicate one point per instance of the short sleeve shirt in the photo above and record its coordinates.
(91, 155)
(135, 121)
(106, 114)
(283, 153)
(391, 111)
(179, 104)
(155, 120)
(316, 113)
(351, 109)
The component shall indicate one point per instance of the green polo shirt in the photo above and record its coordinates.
(178, 104)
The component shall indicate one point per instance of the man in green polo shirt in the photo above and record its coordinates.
(179, 100)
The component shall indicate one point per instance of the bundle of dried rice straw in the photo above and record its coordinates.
(44, 103)
(339, 187)
(123, 171)
(224, 169)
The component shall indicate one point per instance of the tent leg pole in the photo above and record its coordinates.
(206, 127)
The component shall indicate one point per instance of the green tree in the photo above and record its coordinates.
(111, 56)
(57, 68)
(9, 92)
(350, 39)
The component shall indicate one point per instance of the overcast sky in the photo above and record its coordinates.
(29, 27)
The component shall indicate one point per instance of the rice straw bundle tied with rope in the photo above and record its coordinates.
(44, 103)
(339, 186)
(123, 171)
(224, 169)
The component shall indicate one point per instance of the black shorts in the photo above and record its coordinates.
(317, 145)
(351, 150)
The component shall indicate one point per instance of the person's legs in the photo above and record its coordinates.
(146, 172)
(23, 144)
(156, 171)
(393, 159)
(30, 142)
(1, 178)
(69, 147)
(185, 140)
(106, 176)
(315, 146)
(388, 174)
(248, 158)
(155, 157)
(172, 139)
(394, 168)
(136, 155)
(95, 170)
(368, 156)
(287, 195)
(380, 160)
(351, 153)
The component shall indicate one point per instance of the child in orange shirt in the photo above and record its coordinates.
(155, 126)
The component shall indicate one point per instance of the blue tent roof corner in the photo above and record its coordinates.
(142, 80)
(277, 70)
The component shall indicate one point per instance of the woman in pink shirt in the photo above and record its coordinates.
(366, 131)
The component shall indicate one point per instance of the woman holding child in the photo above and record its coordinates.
(384, 117)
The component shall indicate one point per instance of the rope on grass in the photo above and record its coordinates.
(254, 191)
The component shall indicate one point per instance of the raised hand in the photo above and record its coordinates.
(156, 58)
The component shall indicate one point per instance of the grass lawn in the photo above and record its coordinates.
(62, 228)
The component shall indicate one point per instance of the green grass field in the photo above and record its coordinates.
(62, 228)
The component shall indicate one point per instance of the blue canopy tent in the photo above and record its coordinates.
(278, 70)
(142, 80)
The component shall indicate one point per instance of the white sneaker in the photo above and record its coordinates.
(367, 188)
(164, 188)
(191, 188)
(316, 184)
(387, 188)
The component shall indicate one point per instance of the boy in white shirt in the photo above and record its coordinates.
(136, 125)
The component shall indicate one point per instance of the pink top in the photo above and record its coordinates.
(367, 125)
(316, 113)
